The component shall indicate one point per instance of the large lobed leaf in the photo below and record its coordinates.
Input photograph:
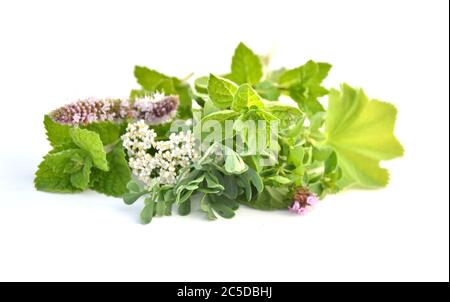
(361, 132)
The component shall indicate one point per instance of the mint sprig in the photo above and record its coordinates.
(83, 157)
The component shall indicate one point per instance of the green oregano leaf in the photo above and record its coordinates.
(245, 98)
(221, 91)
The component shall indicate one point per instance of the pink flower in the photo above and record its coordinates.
(298, 209)
(295, 207)
(303, 201)
(312, 199)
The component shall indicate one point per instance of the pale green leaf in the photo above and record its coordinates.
(268, 90)
(246, 66)
(246, 97)
(361, 131)
(233, 162)
(221, 116)
(221, 91)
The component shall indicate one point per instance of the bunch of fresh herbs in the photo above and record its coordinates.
(317, 150)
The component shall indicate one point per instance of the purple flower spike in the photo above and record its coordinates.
(154, 110)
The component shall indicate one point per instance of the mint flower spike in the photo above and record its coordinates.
(154, 109)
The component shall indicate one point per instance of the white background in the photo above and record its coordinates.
(53, 52)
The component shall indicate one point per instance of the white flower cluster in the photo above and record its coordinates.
(162, 160)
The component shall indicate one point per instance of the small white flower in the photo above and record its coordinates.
(169, 156)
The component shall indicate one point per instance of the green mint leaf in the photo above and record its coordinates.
(304, 85)
(268, 90)
(75, 163)
(81, 178)
(309, 74)
(245, 98)
(91, 143)
(57, 134)
(149, 79)
(55, 171)
(221, 91)
(361, 133)
(109, 132)
(138, 93)
(246, 66)
(306, 99)
(114, 181)
(184, 92)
